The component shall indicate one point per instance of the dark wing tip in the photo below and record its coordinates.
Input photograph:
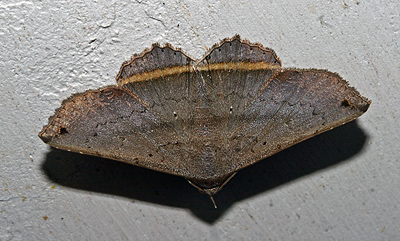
(46, 138)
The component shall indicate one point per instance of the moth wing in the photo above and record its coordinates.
(292, 106)
(113, 123)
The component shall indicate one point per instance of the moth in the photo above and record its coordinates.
(203, 119)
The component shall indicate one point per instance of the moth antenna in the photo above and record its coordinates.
(212, 199)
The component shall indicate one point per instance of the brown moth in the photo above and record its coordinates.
(203, 119)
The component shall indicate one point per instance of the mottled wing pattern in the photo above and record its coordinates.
(263, 109)
(231, 89)
(233, 73)
(162, 80)
(112, 123)
(203, 120)
(292, 106)
(172, 91)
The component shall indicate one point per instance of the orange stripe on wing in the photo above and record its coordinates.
(235, 66)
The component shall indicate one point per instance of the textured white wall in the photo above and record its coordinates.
(342, 185)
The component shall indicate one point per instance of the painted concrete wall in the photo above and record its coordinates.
(341, 185)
